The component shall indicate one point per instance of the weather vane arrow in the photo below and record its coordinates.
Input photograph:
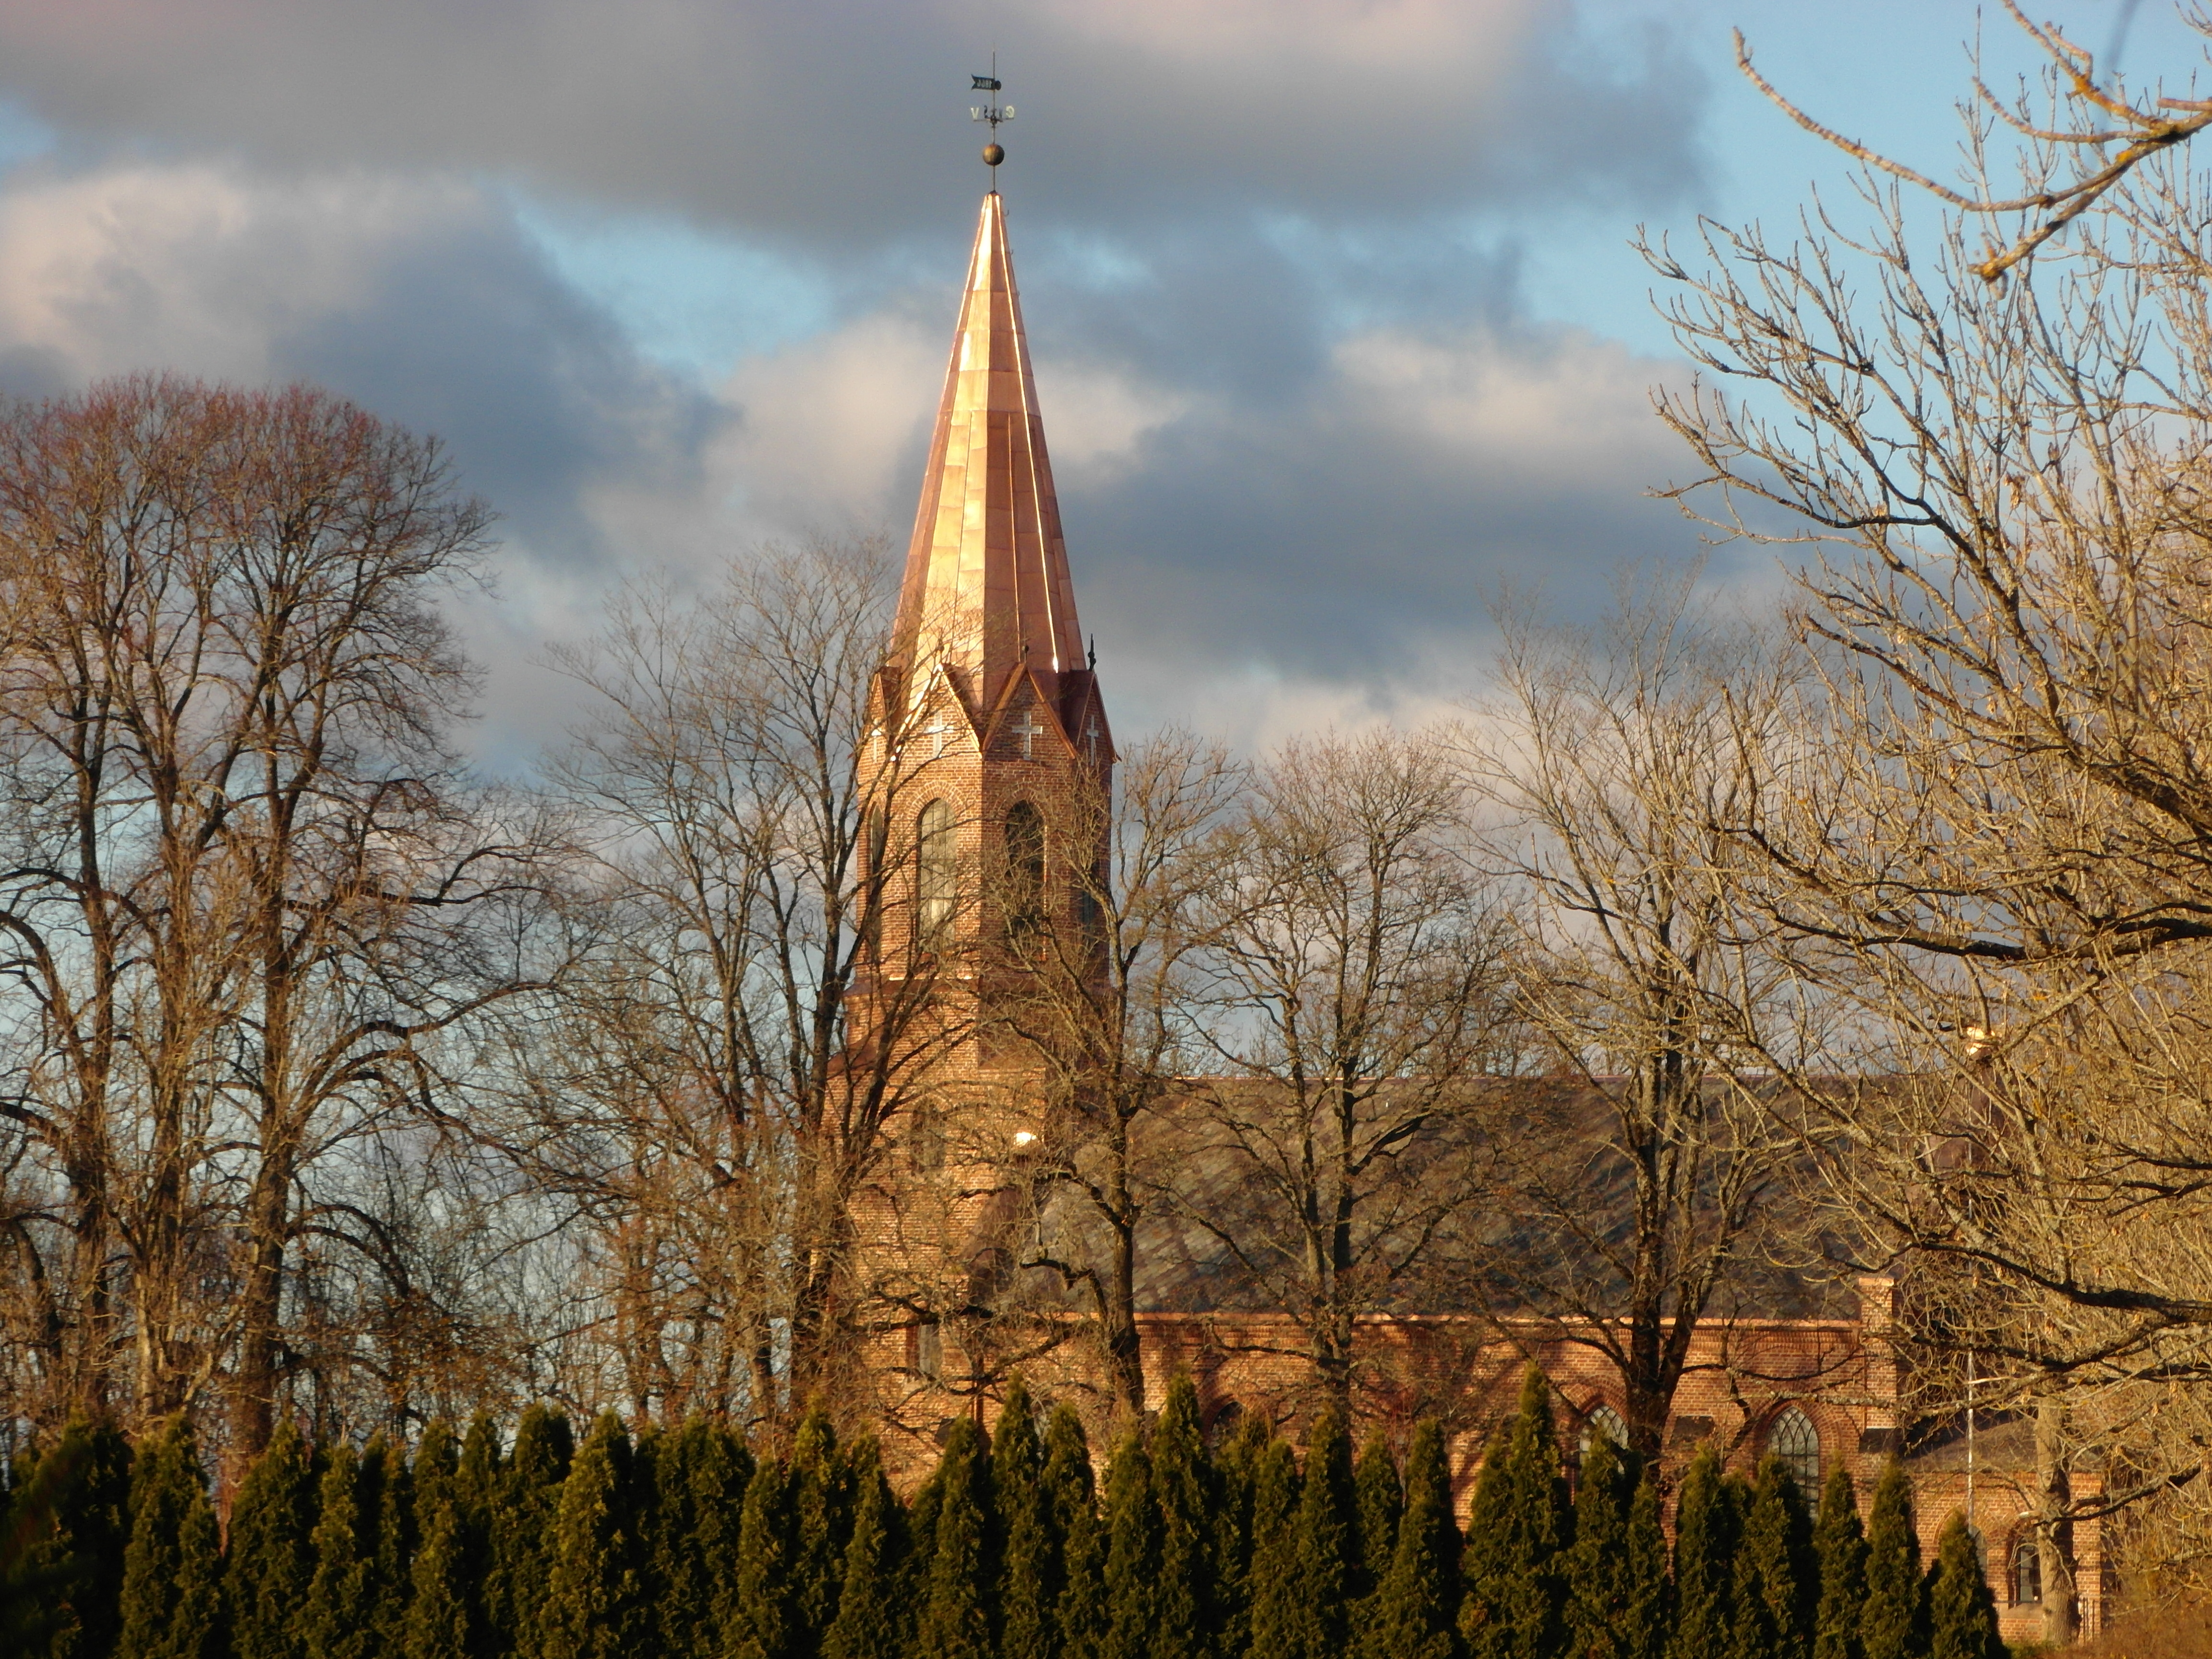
(993, 152)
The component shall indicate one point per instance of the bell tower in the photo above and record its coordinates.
(993, 764)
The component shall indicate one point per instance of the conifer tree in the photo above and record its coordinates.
(956, 1614)
(1839, 1547)
(1893, 1624)
(1706, 1531)
(1597, 1562)
(172, 1594)
(822, 1525)
(1962, 1614)
(922, 1541)
(764, 1611)
(1029, 1563)
(271, 1560)
(384, 1467)
(1378, 1501)
(1277, 1617)
(1327, 1518)
(1079, 1616)
(1237, 1471)
(1776, 1580)
(444, 1618)
(340, 1620)
(1413, 1611)
(1183, 1484)
(721, 1471)
(1648, 1595)
(871, 1621)
(529, 1493)
(1132, 1548)
(78, 1569)
(1514, 1537)
(593, 1606)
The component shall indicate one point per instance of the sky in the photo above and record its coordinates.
(1338, 330)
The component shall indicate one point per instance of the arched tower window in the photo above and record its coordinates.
(1024, 863)
(936, 872)
(1603, 1420)
(1796, 1444)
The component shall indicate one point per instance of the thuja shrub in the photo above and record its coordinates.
(1186, 1540)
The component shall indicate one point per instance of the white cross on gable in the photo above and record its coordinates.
(937, 729)
(1090, 736)
(1029, 731)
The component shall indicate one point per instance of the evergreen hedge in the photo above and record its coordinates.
(683, 1543)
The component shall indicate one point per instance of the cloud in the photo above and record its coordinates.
(417, 297)
(841, 122)
(1301, 421)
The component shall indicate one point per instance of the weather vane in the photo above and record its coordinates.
(994, 153)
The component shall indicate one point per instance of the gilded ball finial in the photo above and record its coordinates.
(993, 154)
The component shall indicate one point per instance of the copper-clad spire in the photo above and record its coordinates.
(987, 589)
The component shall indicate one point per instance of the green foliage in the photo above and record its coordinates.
(1277, 1615)
(1378, 1501)
(1413, 1608)
(956, 1614)
(763, 1610)
(1236, 1473)
(444, 1619)
(1893, 1624)
(871, 1622)
(529, 1493)
(1328, 1508)
(594, 1606)
(171, 1591)
(1070, 1505)
(1777, 1582)
(1184, 1490)
(1132, 1548)
(384, 1467)
(1707, 1527)
(1029, 1557)
(699, 1475)
(1648, 1594)
(1597, 1562)
(1962, 1614)
(271, 1560)
(69, 1521)
(822, 1525)
(1514, 1535)
(1840, 1548)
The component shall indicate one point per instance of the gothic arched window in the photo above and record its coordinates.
(936, 873)
(1603, 1420)
(1796, 1444)
(2027, 1571)
(1024, 863)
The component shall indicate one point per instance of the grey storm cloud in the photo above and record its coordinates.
(840, 122)
(1300, 416)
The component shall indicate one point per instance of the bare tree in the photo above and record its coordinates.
(1104, 1001)
(1355, 1003)
(1637, 1203)
(2000, 831)
(738, 1064)
(245, 864)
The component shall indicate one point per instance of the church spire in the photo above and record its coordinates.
(987, 589)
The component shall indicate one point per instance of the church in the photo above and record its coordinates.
(990, 769)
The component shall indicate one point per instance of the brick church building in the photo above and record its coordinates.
(992, 756)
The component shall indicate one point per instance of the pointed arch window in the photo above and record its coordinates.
(1603, 1420)
(1024, 864)
(2027, 1571)
(936, 875)
(1795, 1444)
